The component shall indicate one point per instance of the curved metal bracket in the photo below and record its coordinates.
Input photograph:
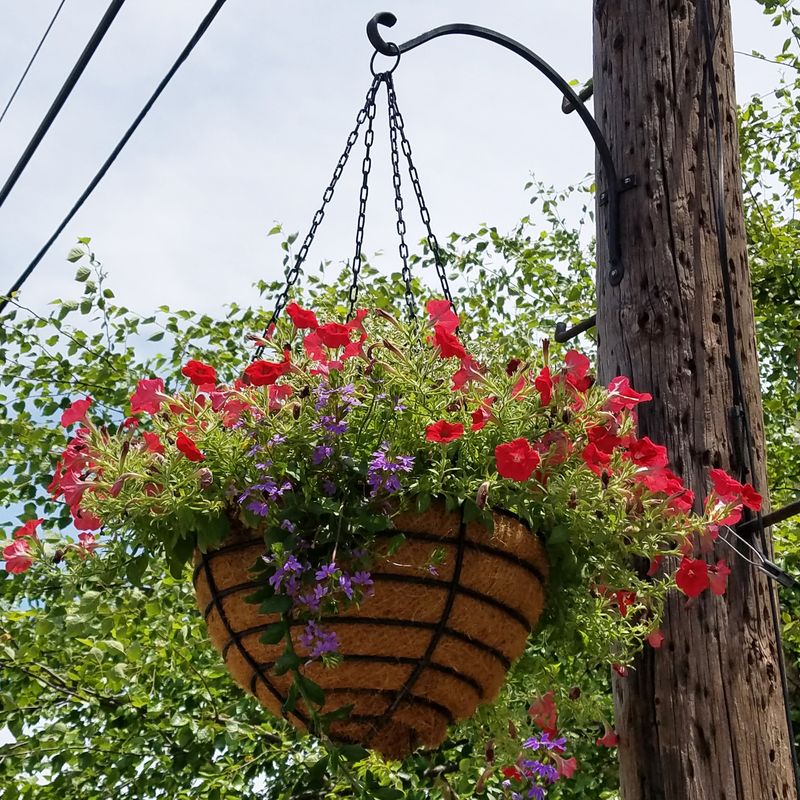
(613, 188)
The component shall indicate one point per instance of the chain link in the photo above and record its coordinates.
(398, 204)
(425, 216)
(293, 273)
(363, 195)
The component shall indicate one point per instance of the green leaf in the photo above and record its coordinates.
(286, 662)
(76, 254)
(313, 691)
(273, 633)
(277, 604)
(290, 703)
(83, 272)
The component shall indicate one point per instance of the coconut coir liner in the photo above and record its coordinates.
(423, 652)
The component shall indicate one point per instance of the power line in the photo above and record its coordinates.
(33, 58)
(61, 97)
(207, 20)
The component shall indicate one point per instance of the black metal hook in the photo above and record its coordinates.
(614, 186)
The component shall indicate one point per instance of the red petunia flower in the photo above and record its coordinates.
(544, 385)
(516, 459)
(188, 447)
(444, 432)
(577, 369)
(655, 639)
(621, 670)
(718, 577)
(17, 556)
(603, 438)
(76, 412)
(595, 459)
(655, 565)
(84, 521)
(265, 373)
(480, 416)
(645, 453)
(447, 342)
(334, 334)
(199, 374)
(544, 714)
(441, 313)
(28, 529)
(730, 490)
(152, 443)
(692, 576)
(624, 601)
(470, 372)
(86, 544)
(566, 766)
(512, 773)
(623, 396)
(609, 738)
(301, 317)
(149, 396)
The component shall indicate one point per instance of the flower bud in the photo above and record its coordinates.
(573, 499)
(512, 730)
(304, 392)
(392, 348)
(205, 478)
(574, 692)
(482, 496)
(599, 514)
(546, 350)
(489, 752)
(566, 416)
(605, 478)
(295, 409)
(58, 556)
(379, 312)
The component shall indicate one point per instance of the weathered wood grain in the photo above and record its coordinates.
(702, 718)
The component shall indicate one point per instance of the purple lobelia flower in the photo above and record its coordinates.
(383, 472)
(320, 453)
(317, 640)
(290, 567)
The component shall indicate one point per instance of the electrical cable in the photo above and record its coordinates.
(206, 22)
(717, 178)
(33, 58)
(61, 98)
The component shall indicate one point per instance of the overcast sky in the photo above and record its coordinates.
(248, 132)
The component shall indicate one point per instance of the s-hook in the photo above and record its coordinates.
(613, 185)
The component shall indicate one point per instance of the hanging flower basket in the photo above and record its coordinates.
(374, 508)
(419, 654)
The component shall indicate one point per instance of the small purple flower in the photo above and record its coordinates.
(317, 640)
(277, 439)
(328, 487)
(289, 567)
(346, 585)
(288, 526)
(382, 474)
(325, 572)
(256, 448)
(320, 453)
(258, 507)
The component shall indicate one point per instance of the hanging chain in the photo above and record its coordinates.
(366, 165)
(293, 272)
(398, 204)
(433, 243)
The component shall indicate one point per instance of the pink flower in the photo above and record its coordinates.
(76, 412)
(149, 396)
(17, 556)
(566, 766)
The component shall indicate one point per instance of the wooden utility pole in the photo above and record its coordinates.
(702, 718)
